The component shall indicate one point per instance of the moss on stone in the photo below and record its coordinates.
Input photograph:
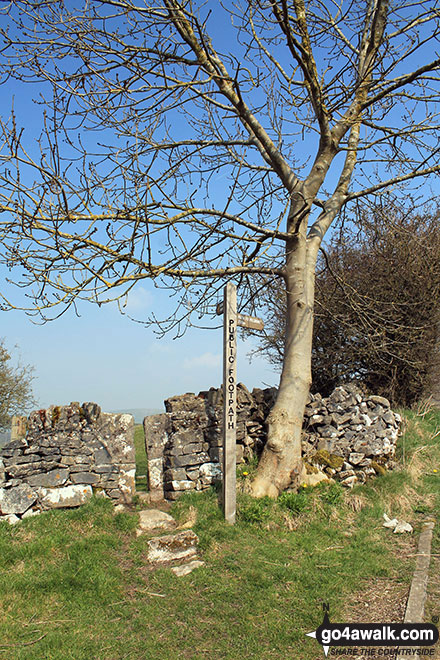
(310, 469)
(323, 457)
(55, 414)
(379, 469)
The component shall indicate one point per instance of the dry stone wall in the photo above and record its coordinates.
(67, 454)
(349, 436)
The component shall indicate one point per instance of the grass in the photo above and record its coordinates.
(76, 584)
(141, 458)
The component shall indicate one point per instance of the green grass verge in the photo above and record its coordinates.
(141, 458)
(76, 585)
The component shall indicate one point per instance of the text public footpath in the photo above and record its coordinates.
(231, 384)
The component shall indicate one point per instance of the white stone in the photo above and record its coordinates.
(126, 420)
(182, 485)
(349, 482)
(152, 519)
(155, 472)
(163, 549)
(127, 483)
(356, 457)
(67, 496)
(30, 513)
(402, 526)
(185, 569)
(10, 518)
(391, 523)
(210, 470)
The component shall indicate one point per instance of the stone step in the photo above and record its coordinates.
(172, 547)
(152, 520)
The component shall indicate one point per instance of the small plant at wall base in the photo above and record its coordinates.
(16, 395)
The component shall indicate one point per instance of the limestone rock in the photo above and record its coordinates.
(402, 526)
(84, 478)
(49, 479)
(17, 499)
(10, 518)
(399, 526)
(352, 428)
(66, 496)
(153, 519)
(173, 547)
(185, 569)
(30, 513)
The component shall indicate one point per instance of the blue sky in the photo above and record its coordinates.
(105, 357)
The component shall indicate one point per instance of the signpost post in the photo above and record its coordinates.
(231, 320)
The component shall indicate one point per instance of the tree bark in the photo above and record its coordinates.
(281, 462)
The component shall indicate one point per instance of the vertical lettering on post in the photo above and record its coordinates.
(229, 401)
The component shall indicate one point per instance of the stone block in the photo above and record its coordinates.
(192, 448)
(114, 493)
(57, 477)
(379, 400)
(84, 478)
(105, 469)
(153, 519)
(45, 451)
(17, 499)
(188, 402)
(186, 484)
(81, 467)
(175, 474)
(127, 484)
(108, 484)
(25, 470)
(20, 443)
(10, 518)
(355, 458)
(155, 473)
(102, 455)
(91, 412)
(186, 438)
(66, 496)
(211, 471)
(30, 458)
(30, 513)
(188, 459)
(173, 547)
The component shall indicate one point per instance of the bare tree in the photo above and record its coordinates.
(376, 306)
(194, 143)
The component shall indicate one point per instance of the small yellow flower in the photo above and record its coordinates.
(245, 474)
(435, 470)
(304, 485)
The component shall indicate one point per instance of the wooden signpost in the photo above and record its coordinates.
(231, 320)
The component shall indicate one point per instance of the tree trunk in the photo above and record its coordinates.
(281, 463)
